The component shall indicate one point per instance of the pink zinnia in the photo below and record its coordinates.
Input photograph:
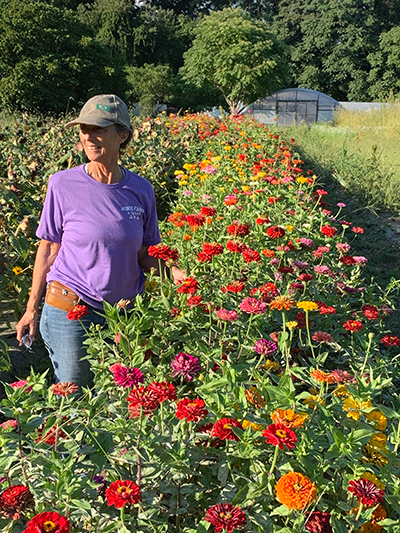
(253, 306)
(343, 247)
(227, 316)
(8, 424)
(126, 377)
(20, 385)
(341, 376)
(265, 347)
(185, 366)
(322, 336)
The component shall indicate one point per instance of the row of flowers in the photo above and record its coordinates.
(258, 395)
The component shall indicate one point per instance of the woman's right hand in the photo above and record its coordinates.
(27, 324)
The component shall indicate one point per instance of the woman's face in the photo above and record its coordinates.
(101, 144)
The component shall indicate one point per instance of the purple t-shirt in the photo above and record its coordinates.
(101, 228)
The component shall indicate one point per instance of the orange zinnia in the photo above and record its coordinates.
(295, 491)
(282, 302)
(288, 418)
(320, 375)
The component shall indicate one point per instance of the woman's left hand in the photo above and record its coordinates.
(178, 275)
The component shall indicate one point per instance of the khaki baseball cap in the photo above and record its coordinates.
(103, 110)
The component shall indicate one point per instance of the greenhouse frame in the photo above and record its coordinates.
(294, 106)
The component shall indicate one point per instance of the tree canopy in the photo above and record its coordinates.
(237, 55)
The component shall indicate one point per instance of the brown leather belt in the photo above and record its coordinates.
(60, 296)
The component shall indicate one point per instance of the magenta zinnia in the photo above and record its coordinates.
(185, 366)
(126, 377)
(225, 517)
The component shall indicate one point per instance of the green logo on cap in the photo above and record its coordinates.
(103, 107)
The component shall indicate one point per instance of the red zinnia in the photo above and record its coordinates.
(275, 232)
(162, 251)
(208, 211)
(162, 390)
(366, 492)
(223, 429)
(142, 400)
(250, 255)
(318, 522)
(347, 260)
(64, 389)
(262, 220)
(14, 500)
(239, 230)
(194, 301)
(357, 229)
(236, 247)
(328, 231)
(225, 517)
(195, 221)
(188, 286)
(305, 277)
(77, 312)
(390, 340)
(47, 522)
(121, 493)
(325, 309)
(192, 410)
(236, 286)
(279, 435)
(353, 325)
(370, 311)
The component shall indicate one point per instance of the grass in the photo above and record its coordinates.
(361, 149)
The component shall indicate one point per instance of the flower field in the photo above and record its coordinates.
(260, 395)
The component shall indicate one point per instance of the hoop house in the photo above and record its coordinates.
(294, 106)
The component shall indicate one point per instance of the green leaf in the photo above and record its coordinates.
(82, 504)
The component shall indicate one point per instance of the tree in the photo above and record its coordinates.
(237, 55)
(384, 76)
(49, 59)
(330, 42)
(150, 85)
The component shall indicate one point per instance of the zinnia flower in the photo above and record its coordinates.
(308, 306)
(223, 429)
(306, 243)
(254, 397)
(185, 366)
(164, 252)
(322, 336)
(195, 221)
(253, 306)
(231, 199)
(15, 500)
(208, 211)
(77, 312)
(188, 286)
(275, 232)
(47, 522)
(279, 435)
(265, 347)
(328, 231)
(322, 377)
(318, 522)
(21, 385)
(353, 325)
(227, 316)
(192, 410)
(126, 377)
(121, 493)
(8, 424)
(295, 491)
(366, 492)
(237, 229)
(162, 390)
(235, 287)
(390, 340)
(225, 517)
(282, 302)
(288, 418)
(142, 400)
(64, 388)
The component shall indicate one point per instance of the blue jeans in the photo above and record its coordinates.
(64, 341)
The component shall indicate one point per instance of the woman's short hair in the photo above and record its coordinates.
(120, 128)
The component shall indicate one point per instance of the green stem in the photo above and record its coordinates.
(162, 417)
(245, 338)
(123, 516)
(396, 446)
(370, 336)
(309, 335)
(58, 421)
(274, 460)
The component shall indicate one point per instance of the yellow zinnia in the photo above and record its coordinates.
(307, 306)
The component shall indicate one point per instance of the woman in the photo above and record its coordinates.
(96, 226)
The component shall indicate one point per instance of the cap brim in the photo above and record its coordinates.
(102, 123)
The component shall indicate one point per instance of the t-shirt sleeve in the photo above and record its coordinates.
(51, 221)
(151, 232)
